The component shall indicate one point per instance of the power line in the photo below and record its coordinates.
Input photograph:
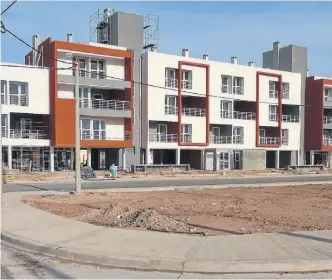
(8, 7)
(25, 43)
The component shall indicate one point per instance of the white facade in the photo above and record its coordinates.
(232, 83)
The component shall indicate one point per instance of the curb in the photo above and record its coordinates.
(169, 265)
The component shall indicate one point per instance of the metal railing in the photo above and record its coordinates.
(4, 99)
(105, 104)
(220, 139)
(237, 90)
(173, 83)
(275, 94)
(327, 141)
(237, 115)
(238, 139)
(28, 134)
(163, 138)
(273, 117)
(186, 138)
(284, 141)
(87, 134)
(327, 120)
(290, 118)
(95, 74)
(20, 100)
(269, 140)
(171, 110)
(4, 132)
(194, 112)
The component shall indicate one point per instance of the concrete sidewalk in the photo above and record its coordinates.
(34, 229)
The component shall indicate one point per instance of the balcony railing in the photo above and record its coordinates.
(327, 120)
(237, 115)
(87, 134)
(186, 138)
(284, 141)
(290, 118)
(226, 139)
(194, 112)
(163, 138)
(4, 132)
(285, 118)
(20, 100)
(327, 141)
(96, 74)
(269, 140)
(28, 134)
(4, 99)
(275, 93)
(105, 104)
(237, 90)
(173, 83)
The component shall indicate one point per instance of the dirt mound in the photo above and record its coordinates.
(124, 217)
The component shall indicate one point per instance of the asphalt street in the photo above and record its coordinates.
(119, 183)
(19, 264)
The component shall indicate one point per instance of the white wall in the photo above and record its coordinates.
(65, 91)
(154, 68)
(38, 88)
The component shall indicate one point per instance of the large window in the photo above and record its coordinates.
(99, 129)
(186, 79)
(85, 129)
(273, 115)
(226, 109)
(186, 132)
(3, 92)
(238, 83)
(285, 90)
(284, 136)
(84, 97)
(226, 84)
(97, 69)
(171, 78)
(18, 93)
(238, 134)
(170, 105)
(328, 93)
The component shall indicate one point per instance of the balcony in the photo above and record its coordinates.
(28, 134)
(87, 134)
(19, 100)
(4, 132)
(163, 138)
(237, 115)
(269, 140)
(226, 139)
(190, 112)
(327, 120)
(285, 118)
(173, 83)
(103, 107)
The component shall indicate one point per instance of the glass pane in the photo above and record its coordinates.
(95, 124)
(82, 63)
(23, 88)
(3, 120)
(13, 88)
(101, 65)
(93, 64)
(103, 125)
(3, 86)
(85, 123)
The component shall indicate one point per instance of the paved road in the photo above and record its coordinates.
(17, 264)
(66, 186)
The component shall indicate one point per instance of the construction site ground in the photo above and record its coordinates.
(16, 176)
(205, 211)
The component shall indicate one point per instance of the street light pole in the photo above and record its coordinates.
(77, 131)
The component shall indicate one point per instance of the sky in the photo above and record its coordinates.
(219, 29)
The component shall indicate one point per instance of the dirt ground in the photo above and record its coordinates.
(200, 211)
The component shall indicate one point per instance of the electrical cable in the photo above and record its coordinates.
(5, 10)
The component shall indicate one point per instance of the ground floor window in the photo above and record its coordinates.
(63, 159)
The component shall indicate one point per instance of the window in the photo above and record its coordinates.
(328, 94)
(3, 92)
(284, 136)
(99, 129)
(171, 77)
(273, 91)
(170, 105)
(238, 134)
(18, 94)
(84, 97)
(216, 131)
(285, 90)
(237, 85)
(186, 130)
(97, 69)
(186, 79)
(226, 109)
(85, 129)
(225, 84)
(4, 125)
(82, 67)
(262, 133)
(273, 116)
(161, 132)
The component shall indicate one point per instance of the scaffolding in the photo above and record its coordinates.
(100, 26)
(32, 159)
(151, 32)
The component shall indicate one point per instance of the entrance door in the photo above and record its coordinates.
(224, 162)
(186, 133)
(226, 109)
(237, 160)
(161, 132)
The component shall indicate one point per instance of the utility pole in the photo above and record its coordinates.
(1, 165)
(77, 131)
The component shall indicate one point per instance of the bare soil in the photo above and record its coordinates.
(200, 211)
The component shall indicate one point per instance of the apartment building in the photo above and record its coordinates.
(25, 116)
(318, 120)
(216, 115)
(106, 101)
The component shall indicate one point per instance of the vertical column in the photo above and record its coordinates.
(10, 164)
(178, 158)
(52, 159)
(329, 159)
(277, 160)
(312, 157)
(124, 159)
(88, 154)
(217, 160)
(147, 156)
